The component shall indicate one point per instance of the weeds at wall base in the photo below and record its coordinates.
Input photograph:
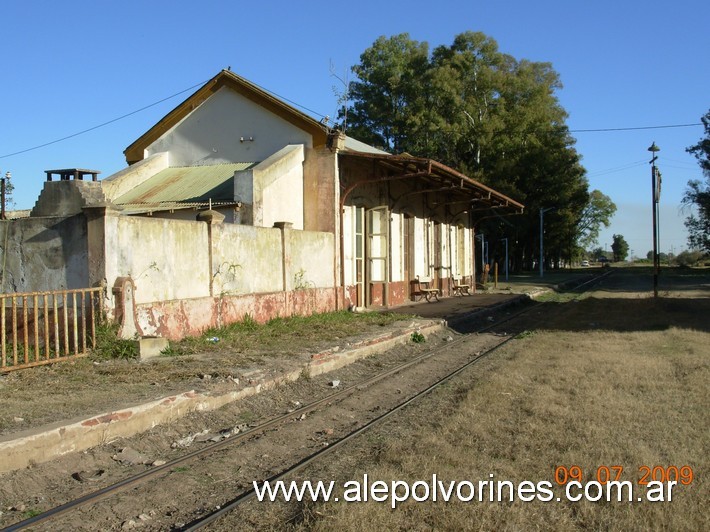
(110, 346)
(298, 331)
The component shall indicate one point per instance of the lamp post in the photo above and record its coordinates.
(542, 212)
(506, 257)
(655, 196)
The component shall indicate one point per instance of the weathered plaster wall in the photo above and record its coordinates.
(66, 198)
(167, 259)
(310, 260)
(245, 259)
(39, 254)
(320, 195)
(177, 319)
(280, 179)
(272, 191)
(227, 127)
(178, 292)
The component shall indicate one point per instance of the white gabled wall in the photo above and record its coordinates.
(227, 127)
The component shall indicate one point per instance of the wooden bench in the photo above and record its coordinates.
(459, 288)
(425, 289)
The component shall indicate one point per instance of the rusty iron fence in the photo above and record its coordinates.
(46, 327)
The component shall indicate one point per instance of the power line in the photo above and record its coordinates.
(293, 103)
(103, 124)
(143, 109)
(633, 128)
(617, 169)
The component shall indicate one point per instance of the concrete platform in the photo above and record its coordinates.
(458, 308)
(42, 444)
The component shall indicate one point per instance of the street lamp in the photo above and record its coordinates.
(542, 212)
(655, 197)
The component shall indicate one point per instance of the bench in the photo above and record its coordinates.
(459, 288)
(425, 289)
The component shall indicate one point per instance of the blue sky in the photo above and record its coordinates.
(74, 65)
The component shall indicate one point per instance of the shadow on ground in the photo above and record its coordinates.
(621, 301)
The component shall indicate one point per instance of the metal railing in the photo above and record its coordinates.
(45, 327)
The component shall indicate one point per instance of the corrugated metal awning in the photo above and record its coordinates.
(438, 177)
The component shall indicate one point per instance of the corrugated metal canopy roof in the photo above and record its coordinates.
(441, 178)
(187, 184)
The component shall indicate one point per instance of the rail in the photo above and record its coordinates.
(45, 327)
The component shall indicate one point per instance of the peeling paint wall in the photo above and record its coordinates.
(263, 272)
(188, 275)
(39, 254)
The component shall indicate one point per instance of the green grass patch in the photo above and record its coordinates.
(291, 332)
(109, 345)
(418, 338)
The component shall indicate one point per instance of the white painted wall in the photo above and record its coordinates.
(396, 254)
(279, 182)
(311, 260)
(169, 259)
(349, 244)
(227, 127)
(421, 267)
(246, 259)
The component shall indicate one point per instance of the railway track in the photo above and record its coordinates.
(445, 362)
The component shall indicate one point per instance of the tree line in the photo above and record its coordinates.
(493, 117)
(697, 194)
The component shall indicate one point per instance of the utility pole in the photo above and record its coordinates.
(655, 197)
(3, 192)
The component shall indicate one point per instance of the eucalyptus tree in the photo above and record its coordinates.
(697, 194)
(484, 113)
(387, 95)
(597, 213)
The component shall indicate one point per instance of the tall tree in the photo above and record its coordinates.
(620, 248)
(388, 94)
(597, 213)
(697, 194)
(484, 113)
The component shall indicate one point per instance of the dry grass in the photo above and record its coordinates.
(574, 393)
